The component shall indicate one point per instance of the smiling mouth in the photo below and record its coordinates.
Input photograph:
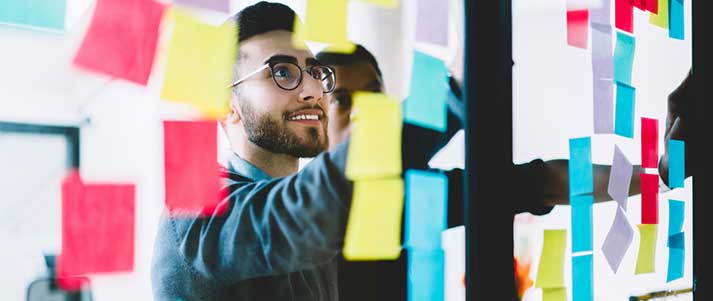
(308, 117)
(304, 117)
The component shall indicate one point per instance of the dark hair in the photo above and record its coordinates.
(359, 55)
(264, 17)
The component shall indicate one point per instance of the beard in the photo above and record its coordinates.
(273, 135)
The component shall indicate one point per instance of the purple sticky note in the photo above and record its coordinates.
(219, 5)
(620, 178)
(602, 57)
(432, 22)
(602, 14)
(618, 240)
(603, 106)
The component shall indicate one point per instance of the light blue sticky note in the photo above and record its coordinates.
(425, 275)
(676, 241)
(624, 119)
(675, 216)
(582, 271)
(624, 57)
(675, 15)
(426, 103)
(580, 166)
(676, 163)
(676, 259)
(581, 222)
(425, 213)
(34, 13)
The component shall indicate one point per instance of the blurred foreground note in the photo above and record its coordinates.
(122, 38)
(47, 14)
(645, 262)
(618, 240)
(200, 64)
(217, 5)
(425, 275)
(550, 272)
(426, 104)
(676, 163)
(426, 207)
(432, 22)
(578, 28)
(374, 225)
(375, 146)
(554, 294)
(620, 178)
(325, 22)
(384, 3)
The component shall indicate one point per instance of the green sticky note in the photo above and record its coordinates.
(550, 272)
(645, 262)
(661, 18)
(47, 14)
(554, 294)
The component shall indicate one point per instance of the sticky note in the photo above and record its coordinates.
(47, 14)
(652, 6)
(581, 222)
(97, 227)
(384, 3)
(217, 5)
(554, 294)
(550, 272)
(649, 143)
(624, 15)
(624, 117)
(602, 75)
(676, 241)
(620, 178)
(374, 225)
(675, 29)
(425, 275)
(426, 103)
(640, 4)
(582, 277)
(645, 262)
(603, 93)
(660, 18)
(618, 240)
(649, 198)
(426, 207)
(601, 15)
(378, 122)
(121, 39)
(192, 174)
(676, 163)
(580, 166)
(675, 216)
(325, 22)
(602, 57)
(578, 28)
(432, 22)
(200, 64)
(676, 259)
(624, 57)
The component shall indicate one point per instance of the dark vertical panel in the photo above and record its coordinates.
(701, 182)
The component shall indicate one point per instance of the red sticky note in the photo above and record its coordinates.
(640, 4)
(652, 6)
(121, 39)
(191, 167)
(649, 198)
(97, 228)
(624, 13)
(649, 143)
(578, 28)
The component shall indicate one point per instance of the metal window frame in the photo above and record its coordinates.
(71, 134)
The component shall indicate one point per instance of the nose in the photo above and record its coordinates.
(311, 89)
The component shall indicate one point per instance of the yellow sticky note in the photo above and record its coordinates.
(200, 64)
(375, 146)
(550, 272)
(645, 262)
(325, 22)
(384, 3)
(374, 226)
(660, 19)
(554, 294)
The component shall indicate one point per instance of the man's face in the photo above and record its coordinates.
(281, 121)
(359, 76)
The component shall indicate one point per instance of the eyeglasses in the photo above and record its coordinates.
(288, 75)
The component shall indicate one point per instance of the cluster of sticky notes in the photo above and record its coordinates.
(97, 227)
(618, 240)
(426, 104)
(676, 240)
(432, 22)
(325, 22)
(550, 271)
(45, 14)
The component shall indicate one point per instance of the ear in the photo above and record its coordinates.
(234, 113)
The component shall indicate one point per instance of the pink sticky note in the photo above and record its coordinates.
(652, 6)
(649, 143)
(649, 198)
(640, 4)
(122, 38)
(624, 13)
(192, 171)
(97, 228)
(578, 28)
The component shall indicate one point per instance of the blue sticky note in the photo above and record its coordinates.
(675, 216)
(624, 57)
(425, 213)
(582, 271)
(426, 103)
(581, 222)
(676, 163)
(675, 19)
(425, 275)
(676, 241)
(676, 259)
(624, 119)
(47, 14)
(580, 166)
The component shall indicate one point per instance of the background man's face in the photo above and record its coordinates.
(273, 118)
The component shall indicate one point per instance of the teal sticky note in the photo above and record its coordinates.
(47, 14)
(624, 119)
(582, 272)
(676, 163)
(675, 15)
(580, 166)
(425, 275)
(675, 216)
(676, 241)
(624, 57)
(425, 212)
(676, 259)
(581, 222)
(426, 103)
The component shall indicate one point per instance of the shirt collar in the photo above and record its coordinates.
(241, 166)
